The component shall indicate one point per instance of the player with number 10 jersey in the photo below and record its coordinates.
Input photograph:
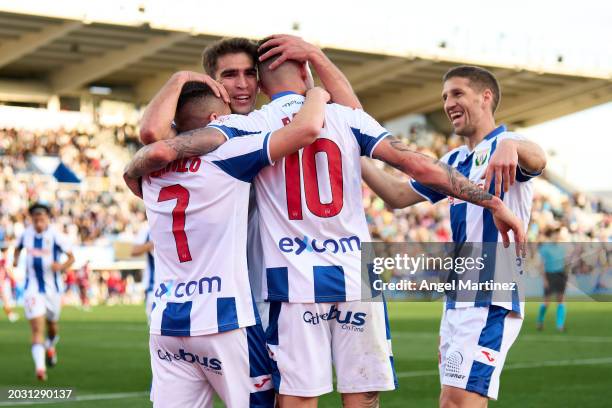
(312, 217)
(312, 224)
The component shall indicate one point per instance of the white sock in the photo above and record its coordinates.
(51, 342)
(38, 354)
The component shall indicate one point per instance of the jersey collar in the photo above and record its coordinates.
(495, 132)
(281, 94)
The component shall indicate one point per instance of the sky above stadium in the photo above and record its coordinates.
(530, 33)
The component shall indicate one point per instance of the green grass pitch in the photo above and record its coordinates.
(103, 355)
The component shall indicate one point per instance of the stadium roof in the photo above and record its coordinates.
(43, 56)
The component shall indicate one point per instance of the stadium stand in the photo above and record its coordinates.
(101, 212)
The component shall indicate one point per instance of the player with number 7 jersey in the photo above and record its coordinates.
(312, 224)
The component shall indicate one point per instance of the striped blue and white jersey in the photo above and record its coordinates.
(255, 258)
(471, 223)
(197, 214)
(148, 277)
(41, 251)
(311, 215)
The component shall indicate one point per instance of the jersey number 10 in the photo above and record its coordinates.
(293, 174)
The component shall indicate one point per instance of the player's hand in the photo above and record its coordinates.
(290, 47)
(506, 221)
(502, 166)
(318, 92)
(217, 88)
(133, 184)
(56, 266)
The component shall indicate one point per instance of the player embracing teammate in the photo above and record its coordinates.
(475, 336)
(312, 223)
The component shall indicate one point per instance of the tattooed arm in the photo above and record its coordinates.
(395, 192)
(158, 155)
(432, 173)
(443, 178)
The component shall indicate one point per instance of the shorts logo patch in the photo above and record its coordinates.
(209, 364)
(349, 320)
(261, 384)
(488, 356)
(453, 365)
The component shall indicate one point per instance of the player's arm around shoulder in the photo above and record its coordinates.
(515, 159)
(156, 122)
(158, 155)
(443, 178)
(395, 192)
(303, 129)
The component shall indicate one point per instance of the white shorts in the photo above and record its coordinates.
(474, 342)
(187, 371)
(38, 304)
(305, 339)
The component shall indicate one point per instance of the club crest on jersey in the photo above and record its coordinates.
(481, 157)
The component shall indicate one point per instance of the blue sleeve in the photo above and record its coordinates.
(367, 142)
(523, 175)
(236, 125)
(367, 131)
(231, 132)
(243, 158)
(429, 194)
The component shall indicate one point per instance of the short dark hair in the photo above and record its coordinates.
(36, 207)
(479, 78)
(262, 51)
(191, 91)
(235, 45)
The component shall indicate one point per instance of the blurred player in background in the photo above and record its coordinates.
(211, 213)
(144, 245)
(482, 332)
(82, 283)
(7, 284)
(554, 259)
(332, 283)
(44, 247)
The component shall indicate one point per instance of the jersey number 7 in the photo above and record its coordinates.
(181, 195)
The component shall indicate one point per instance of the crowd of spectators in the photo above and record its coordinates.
(89, 213)
(101, 209)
